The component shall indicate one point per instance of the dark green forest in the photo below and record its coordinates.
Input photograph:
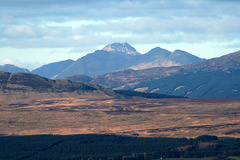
(130, 93)
(92, 146)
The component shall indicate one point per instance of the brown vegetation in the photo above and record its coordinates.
(105, 115)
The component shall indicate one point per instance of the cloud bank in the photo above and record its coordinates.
(81, 24)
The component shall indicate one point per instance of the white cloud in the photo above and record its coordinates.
(88, 24)
(18, 31)
(10, 61)
(136, 30)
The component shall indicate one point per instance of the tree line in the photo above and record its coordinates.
(113, 147)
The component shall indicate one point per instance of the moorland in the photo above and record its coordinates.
(122, 116)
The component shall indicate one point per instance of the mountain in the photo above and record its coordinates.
(115, 57)
(30, 85)
(52, 69)
(182, 57)
(159, 57)
(13, 69)
(97, 63)
(80, 77)
(217, 77)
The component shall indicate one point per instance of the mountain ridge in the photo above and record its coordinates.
(115, 57)
(142, 79)
(13, 69)
(120, 56)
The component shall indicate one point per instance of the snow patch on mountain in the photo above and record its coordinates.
(121, 47)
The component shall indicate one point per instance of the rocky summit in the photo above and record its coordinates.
(121, 47)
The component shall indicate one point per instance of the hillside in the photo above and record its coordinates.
(80, 77)
(25, 84)
(212, 71)
(225, 84)
(127, 78)
(13, 69)
(52, 69)
(97, 63)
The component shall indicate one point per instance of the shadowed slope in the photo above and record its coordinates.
(128, 79)
(27, 83)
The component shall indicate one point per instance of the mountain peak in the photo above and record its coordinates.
(121, 47)
(160, 51)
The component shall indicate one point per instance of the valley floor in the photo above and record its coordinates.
(125, 116)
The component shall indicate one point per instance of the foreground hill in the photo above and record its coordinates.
(13, 69)
(115, 57)
(21, 84)
(80, 77)
(208, 73)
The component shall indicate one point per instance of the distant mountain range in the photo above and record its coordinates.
(217, 77)
(13, 69)
(115, 57)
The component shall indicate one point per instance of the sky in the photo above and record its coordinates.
(37, 32)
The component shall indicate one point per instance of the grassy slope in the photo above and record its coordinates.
(200, 84)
